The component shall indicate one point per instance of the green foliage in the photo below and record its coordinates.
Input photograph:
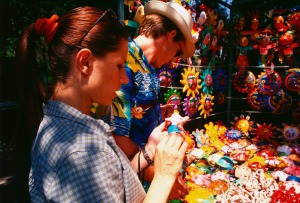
(16, 15)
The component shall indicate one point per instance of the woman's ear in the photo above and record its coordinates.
(83, 58)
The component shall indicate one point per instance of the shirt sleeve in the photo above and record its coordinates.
(89, 177)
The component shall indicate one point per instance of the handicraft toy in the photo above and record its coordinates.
(174, 119)
(279, 103)
(205, 105)
(279, 24)
(220, 77)
(233, 134)
(263, 47)
(254, 32)
(294, 20)
(220, 82)
(200, 137)
(173, 97)
(256, 100)
(204, 48)
(243, 124)
(244, 81)
(292, 80)
(207, 81)
(263, 132)
(165, 77)
(242, 59)
(190, 105)
(285, 48)
(269, 82)
(290, 133)
(190, 80)
(219, 30)
(214, 48)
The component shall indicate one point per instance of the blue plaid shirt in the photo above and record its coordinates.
(75, 159)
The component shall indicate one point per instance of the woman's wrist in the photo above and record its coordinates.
(148, 154)
(150, 149)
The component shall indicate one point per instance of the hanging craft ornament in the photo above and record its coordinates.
(290, 133)
(256, 100)
(206, 105)
(190, 80)
(165, 77)
(234, 134)
(242, 59)
(243, 124)
(207, 81)
(264, 46)
(221, 98)
(292, 80)
(294, 20)
(244, 81)
(285, 48)
(269, 82)
(279, 103)
(263, 132)
(220, 78)
(190, 105)
(200, 137)
(173, 97)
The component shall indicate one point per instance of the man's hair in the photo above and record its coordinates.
(155, 26)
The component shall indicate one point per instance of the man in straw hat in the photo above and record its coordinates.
(164, 34)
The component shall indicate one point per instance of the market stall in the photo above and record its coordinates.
(241, 91)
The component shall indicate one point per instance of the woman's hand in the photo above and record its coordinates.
(155, 137)
(161, 131)
(169, 156)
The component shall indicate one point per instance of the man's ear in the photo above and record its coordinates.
(83, 58)
(172, 34)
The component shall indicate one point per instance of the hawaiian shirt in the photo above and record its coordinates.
(136, 109)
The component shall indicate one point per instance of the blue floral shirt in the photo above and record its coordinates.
(136, 110)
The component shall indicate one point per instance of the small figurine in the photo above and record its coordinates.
(204, 48)
(214, 48)
(243, 48)
(175, 119)
(254, 32)
(294, 21)
(285, 48)
(263, 47)
(279, 24)
(219, 30)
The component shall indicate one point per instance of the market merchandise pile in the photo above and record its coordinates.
(243, 164)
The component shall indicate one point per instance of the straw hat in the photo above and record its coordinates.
(178, 15)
